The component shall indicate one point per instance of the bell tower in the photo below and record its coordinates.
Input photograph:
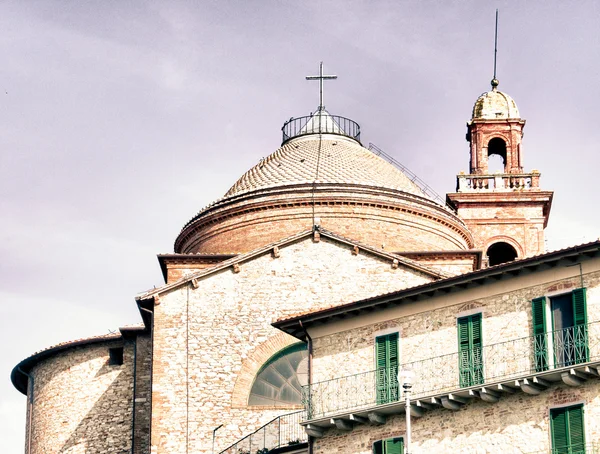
(506, 211)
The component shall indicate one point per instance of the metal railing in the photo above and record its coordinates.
(447, 373)
(285, 430)
(588, 448)
(320, 122)
(427, 190)
(498, 181)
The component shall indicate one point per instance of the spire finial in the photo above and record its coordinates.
(321, 78)
(495, 82)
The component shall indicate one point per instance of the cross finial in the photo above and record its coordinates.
(321, 78)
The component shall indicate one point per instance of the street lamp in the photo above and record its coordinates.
(406, 377)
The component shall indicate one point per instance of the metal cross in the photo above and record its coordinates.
(321, 78)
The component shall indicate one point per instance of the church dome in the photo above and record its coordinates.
(322, 175)
(333, 160)
(495, 105)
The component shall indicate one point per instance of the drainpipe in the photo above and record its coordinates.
(151, 368)
(30, 419)
(310, 359)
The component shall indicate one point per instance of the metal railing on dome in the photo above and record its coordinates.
(285, 430)
(320, 124)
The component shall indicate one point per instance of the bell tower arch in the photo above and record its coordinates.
(507, 203)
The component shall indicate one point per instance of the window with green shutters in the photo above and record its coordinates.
(470, 360)
(560, 335)
(568, 434)
(389, 446)
(386, 358)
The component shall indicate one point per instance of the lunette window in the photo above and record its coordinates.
(279, 381)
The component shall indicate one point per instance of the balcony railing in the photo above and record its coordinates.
(498, 182)
(321, 122)
(285, 430)
(588, 448)
(480, 366)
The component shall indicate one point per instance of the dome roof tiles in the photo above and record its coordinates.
(495, 105)
(333, 159)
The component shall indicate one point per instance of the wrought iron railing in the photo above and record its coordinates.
(447, 373)
(285, 430)
(498, 181)
(320, 122)
(588, 448)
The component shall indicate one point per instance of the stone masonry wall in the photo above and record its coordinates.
(205, 337)
(81, 403)
(143, 394)
(518, 423)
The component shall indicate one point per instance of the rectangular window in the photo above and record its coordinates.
(568, 435)
(115, 356)
(389, 446)
(470, 357)
(560, 322)
(386, 374)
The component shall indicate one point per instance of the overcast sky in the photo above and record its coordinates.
(119, 120)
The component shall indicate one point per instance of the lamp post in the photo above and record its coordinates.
(406, 376)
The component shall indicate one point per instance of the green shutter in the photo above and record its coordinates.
(470, 358)
(558, 426)
(386, 361)
(568, 433)
(540, 349)
(580, 335)
(378, 447)
(576, 429)
(394, 446)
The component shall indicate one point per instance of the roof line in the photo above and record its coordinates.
(259, 251)
(287, 325)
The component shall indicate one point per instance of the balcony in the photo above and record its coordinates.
(529, 364)
(498, 182)
(282, 434)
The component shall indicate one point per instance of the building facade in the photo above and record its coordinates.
(228, 358)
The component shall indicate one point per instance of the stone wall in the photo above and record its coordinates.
(206, 338)
(428, 329)
(518, 423)
(82, 404)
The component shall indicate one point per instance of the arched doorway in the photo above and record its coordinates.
(501, 252)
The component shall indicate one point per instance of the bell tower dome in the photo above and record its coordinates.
(496, 128)
(506, 211)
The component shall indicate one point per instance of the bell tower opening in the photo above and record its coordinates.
(501, 252)
(497, 156)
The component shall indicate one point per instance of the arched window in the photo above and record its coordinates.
(501, 253)
(279, 381)
(496, 155)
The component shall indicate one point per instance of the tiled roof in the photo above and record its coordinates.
(333, 159)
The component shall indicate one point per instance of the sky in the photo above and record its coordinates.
(120, 120)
